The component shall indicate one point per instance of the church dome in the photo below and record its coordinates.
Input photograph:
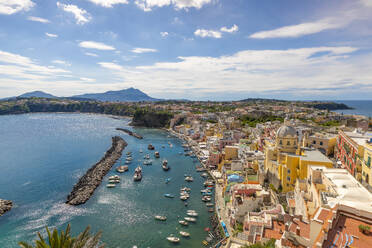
(285, 131)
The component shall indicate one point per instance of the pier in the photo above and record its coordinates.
(86, 185)
(130, 133)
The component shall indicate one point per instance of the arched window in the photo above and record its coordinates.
(288, 143)
(280, 142)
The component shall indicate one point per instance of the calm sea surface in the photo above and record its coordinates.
(360, 108)
(43, 155)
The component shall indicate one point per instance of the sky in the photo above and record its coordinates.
(188, 49)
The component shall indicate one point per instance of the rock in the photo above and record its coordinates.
(86, 185)
(5, 206)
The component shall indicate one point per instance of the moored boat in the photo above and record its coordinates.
(157, 154)
(184, 234)
(160, 217)
(111, 185)
(165, 165)
(173, 239)
(150, 147)
(190, 219)
(192, 214)
(189, 179)
(183, 222)
(169, 195)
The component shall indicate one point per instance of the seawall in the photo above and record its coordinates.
(130, 133)
(86, 185)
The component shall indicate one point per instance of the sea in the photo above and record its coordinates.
(43, 155)
(359, 107)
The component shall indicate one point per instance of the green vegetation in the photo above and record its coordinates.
(364, 228)
(65, 240)
(268, 244)
(151, 118)
(330, 123)
(253, 121)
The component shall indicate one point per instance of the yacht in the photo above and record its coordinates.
(184, 234)
(191, 219)
(183, 222)
(173, 239)
(137, 174)
(160, 217)
(192, 214)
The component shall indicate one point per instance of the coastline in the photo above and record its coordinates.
(5, 206)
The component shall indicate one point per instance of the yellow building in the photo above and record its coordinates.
(287, 163)
(324, 142)
(231, 152)
(366, 165)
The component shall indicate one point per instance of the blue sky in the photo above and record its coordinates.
(195, 49)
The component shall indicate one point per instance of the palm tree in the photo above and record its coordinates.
(64, 240)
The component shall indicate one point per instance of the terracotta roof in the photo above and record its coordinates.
(346, 229)
(323, 215)
(276, 232)
(304, 228)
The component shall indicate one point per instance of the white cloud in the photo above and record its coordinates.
(110, 65)
(256, 71)
(91, 54)
(87, 79)
(108, 3)
(148, 5)
(38, 19)
(208, 33)
(164, 34)
(51, 35)
(61, 62)
(95, 45)
(143, 50)
(233, 29)
(9, 7)
(81, 15)
(299, 29)
(367, 3)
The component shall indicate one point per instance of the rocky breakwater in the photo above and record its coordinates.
(86, 185)
(136, 135)
(5, 206)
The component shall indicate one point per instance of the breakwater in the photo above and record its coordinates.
(5, 206)
(86, 185)
(130, 133)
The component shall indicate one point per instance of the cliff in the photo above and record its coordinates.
(149, 118)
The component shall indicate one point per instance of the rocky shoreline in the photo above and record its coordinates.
(86, 185)
(130, 133)
(5, 206)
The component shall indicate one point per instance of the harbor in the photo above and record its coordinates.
(123, 212)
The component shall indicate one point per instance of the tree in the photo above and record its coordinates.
(64, 240)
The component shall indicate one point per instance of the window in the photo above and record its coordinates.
(288, 143)
(321, 143)
(369, 161)
(288, 179)
(288, 171)
(314, 142)
(280, 142)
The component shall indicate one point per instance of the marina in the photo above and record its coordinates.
(126, 205)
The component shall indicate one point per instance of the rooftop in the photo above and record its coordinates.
(314, 155)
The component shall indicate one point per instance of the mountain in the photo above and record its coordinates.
(127, 95)
(37, 94)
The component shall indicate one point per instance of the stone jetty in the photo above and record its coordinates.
(130, 133)
(86, 185)
(5, 206)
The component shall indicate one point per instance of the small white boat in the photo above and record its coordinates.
(183, 222)
(140, 151)
(189, 179)
(173, 239)
(183, 197)
(111, 185)
(190, 210)
(184, 234)
(116, 177)
(209, 204)
(191, 219)
(193, 214)
(160, 217)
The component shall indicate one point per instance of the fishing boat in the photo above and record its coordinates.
(209, 204)
(160, 217)
(184, 197)
(114, 181)
(165, 165)
(114, 177)
(173, 239)
(208, 183)
(207, 193)
(189, 179)
(183, 222)
(185, 189)
(190, 219)
(210, 210)
(169, 195)
(204, 174)
(184, 234)
(191, 210)
(111, 185)
(150, 147)
(157, 154)
(206, 198)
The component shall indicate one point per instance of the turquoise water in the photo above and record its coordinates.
(360, 107)
(43, 155)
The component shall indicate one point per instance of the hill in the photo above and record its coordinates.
(127, 95)
(37, 94)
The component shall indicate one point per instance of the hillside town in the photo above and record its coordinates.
(301, 179)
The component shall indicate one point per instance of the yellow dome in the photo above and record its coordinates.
(285, 131)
